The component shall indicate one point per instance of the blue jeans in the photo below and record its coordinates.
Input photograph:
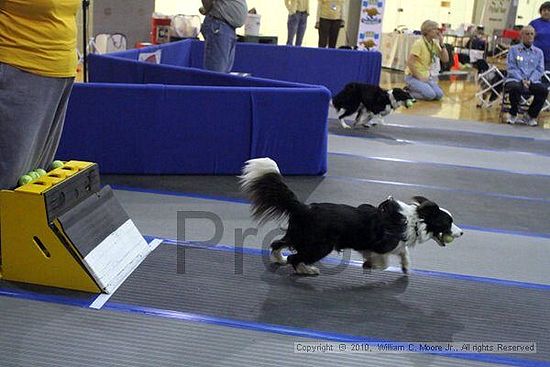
(424, 90)
(296, 25)
(219, 45)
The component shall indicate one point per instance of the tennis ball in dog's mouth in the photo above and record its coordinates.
(409, 103)
(447, 238)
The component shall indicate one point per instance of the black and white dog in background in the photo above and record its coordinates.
(315, 230)
(370, 102)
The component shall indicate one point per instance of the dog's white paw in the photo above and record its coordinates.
(376, 120)
(277, 257)
(304, 269)
(367, 124)
(344, 124)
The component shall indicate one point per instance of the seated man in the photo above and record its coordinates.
(525, 69)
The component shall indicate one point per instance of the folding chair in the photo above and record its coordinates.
(489, 85)
(502, 40)
(546, 80)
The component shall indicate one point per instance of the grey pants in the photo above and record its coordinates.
(32, 112)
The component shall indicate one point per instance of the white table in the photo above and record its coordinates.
(395, 48)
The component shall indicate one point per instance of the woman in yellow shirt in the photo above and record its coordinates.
(330, 18)
(37, 67)
(421, 81)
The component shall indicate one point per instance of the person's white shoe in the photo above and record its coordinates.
(530, 121)
(512, 120)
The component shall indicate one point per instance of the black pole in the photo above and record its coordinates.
(85, 5)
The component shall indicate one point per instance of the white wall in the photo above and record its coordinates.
(417, 11)
(527, 11)
(273, 12)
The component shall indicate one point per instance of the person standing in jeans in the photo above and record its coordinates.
(221, 19)
(298, 11)
(330, 18)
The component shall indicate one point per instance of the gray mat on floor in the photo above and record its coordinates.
(80, 337)
(344, 300)
(456, 138)
(353, 167)
(474, 209)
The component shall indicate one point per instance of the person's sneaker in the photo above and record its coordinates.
(512, 120)
(530, 121)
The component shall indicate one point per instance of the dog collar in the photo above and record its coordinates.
(392, 99)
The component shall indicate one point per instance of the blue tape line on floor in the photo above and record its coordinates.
(259, 327)
(245, 202)
(261, 252)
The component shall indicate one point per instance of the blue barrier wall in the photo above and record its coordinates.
(175, 118)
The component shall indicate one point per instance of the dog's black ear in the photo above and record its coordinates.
(388, 204)
(428, 211)
(419, 199)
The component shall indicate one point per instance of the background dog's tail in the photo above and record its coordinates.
(270, 196)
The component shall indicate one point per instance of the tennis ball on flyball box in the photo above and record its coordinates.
(34, 175)
(23, 180)
(447, 238)
(57, 164)
(41, 171)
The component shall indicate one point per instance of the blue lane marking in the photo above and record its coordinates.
(308, 333)
(246, 202)
(350, 179)
(439, 164)
(259, 327)
(50, 298)
(181, 194)
(506, 231)
(335, 261)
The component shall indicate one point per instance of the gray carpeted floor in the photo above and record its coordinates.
(491, 285)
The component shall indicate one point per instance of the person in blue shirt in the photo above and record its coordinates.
(542, 30)
(525, 68)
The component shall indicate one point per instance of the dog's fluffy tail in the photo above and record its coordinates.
(270, 196)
